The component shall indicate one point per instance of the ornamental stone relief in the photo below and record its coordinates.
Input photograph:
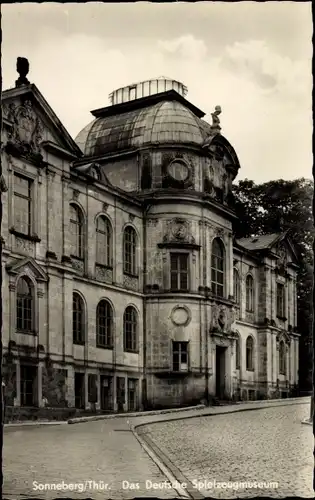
(27, 130)
(178, 230)
(131, 282)
(222, 319)
(24, 246)
(77, 264)
(103, 274)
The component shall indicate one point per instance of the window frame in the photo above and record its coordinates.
(130, 266)
(178, 350)
(109, 320)
(31, 308)
(108, 241)
(180, 272)
(77, 246)
(250, 359)
(215, 269)
(78, 336)
(30, 198)
(250, 294)
(131, 343)
(281, 307)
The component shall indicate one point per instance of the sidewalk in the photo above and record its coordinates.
(170, 414)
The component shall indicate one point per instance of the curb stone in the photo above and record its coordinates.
(32, 424)
(92, 418)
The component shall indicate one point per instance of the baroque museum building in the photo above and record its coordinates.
(124, 287)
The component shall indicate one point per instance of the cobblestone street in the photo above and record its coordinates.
(261, 445)
(268, 444)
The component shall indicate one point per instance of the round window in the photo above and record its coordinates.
(178, 170)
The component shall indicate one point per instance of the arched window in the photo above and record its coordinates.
(25, 305)
(217, 268)
(249, 293)
(103, 241)
(250, 353)
(237, 353)
(130, 248)
(282, 358)
(104, 324)
(237, 286)
(76, 232)
(130, 329)
(78, 319)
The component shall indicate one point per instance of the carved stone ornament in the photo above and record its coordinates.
(220, 232)
(180, 316)
(27, 130)
(222, 319)
(178, 230)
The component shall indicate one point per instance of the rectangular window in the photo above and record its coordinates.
(179, 271)
(22, 204)
(180, 356)
(280, 300)
(28, 378)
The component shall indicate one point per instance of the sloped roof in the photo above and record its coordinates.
(167, 121)
(260, 242)
(61, 132)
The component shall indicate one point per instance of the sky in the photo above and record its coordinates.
(251, 58)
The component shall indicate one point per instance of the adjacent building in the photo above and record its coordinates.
(123, 285)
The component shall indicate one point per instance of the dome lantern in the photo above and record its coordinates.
(146, 89)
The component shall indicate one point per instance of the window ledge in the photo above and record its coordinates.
(131, 351)
(26, 332)
(250, 369)
(104, 266)
(172, 374)
(179, 290)
(29, 237)
(131, 275)
(77, 342)
(108, 347)
(179, 244)
(282, 318)
(76, 257)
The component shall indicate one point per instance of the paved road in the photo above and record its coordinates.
(102, 451)
(267, 445)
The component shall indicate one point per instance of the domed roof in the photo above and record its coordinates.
(167, 121)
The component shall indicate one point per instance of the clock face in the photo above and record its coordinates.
(179, 171)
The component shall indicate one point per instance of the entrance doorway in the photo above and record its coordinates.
(28, 385)
(106, 393)
(220, 371)
(79, 390)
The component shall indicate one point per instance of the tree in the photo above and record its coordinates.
(279, 206)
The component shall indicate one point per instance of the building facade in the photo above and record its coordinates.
(123, 285)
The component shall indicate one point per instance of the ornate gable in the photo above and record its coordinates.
(28, 266)
(31, 124)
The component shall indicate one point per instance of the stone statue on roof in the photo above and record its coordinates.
(215, 117)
